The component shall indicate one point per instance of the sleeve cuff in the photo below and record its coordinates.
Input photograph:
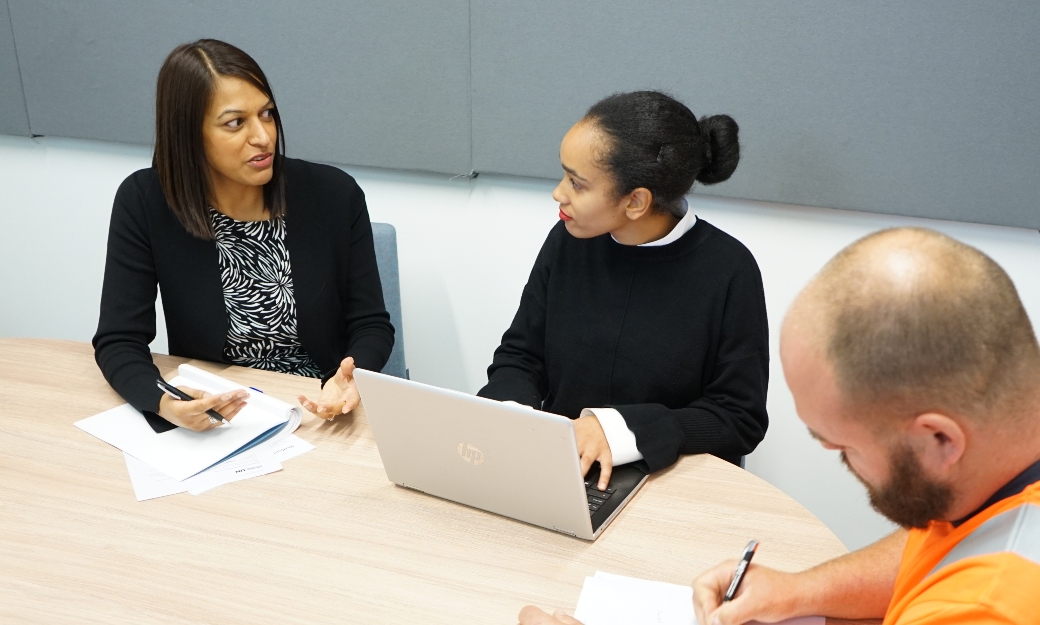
(620, 439)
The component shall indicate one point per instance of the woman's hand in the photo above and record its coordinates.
(531, 615)
(192, 414)
(592, 446)
(338, 396)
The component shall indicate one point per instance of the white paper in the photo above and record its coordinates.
(608, 599)
(181, 453)
(150, 483)
(247, 464)
(289, 447)
(211, 383)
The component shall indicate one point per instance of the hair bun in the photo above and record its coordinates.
(723, 152)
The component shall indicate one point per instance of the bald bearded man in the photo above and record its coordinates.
(911, 354)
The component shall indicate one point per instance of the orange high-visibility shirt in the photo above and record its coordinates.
(987, 570)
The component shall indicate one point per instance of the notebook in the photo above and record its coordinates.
(181, 453)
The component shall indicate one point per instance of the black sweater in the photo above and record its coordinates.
(339, 299)
(674, 337)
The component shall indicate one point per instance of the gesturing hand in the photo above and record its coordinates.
(531, 615)
(763, 596)
(592, 446)
(192, 414)
(338, 396)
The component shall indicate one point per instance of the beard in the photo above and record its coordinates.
(908, 499)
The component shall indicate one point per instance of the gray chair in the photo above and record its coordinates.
(385, 238)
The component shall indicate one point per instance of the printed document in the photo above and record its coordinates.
(150, 483)
(181, 453)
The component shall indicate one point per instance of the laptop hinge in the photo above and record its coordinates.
(563, 531)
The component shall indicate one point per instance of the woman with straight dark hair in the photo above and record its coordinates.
(643, 322)
(263, 261)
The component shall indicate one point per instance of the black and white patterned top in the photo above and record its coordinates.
(258, 296)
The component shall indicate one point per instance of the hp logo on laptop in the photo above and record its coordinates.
(470, 453)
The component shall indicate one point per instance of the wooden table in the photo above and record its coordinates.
(328, 539)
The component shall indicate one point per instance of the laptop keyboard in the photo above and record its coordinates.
(596, 496)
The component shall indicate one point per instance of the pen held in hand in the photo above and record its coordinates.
(171, 390)
(738, 575)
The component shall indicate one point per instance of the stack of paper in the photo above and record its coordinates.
(180, 460)
(263, 459)
(617, 600)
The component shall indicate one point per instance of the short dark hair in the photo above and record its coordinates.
(657, 143)
(183, 91)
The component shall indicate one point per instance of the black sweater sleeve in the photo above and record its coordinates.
(729, 419)
(367, 323)
(127, 320)
(517, 372)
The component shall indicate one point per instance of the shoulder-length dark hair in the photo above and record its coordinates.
(182, 94)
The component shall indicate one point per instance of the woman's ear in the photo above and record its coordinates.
(639, 202)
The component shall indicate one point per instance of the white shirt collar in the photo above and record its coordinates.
(688, 221)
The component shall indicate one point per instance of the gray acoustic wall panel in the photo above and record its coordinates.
(13, 118)
(384, 84)
(927, 108)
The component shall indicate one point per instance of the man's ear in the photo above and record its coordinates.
(639, 202)
(940, 442)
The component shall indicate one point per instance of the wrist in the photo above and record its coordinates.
(164, 403)
(620, 439)
(801, 598)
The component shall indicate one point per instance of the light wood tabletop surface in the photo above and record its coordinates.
(328, 539)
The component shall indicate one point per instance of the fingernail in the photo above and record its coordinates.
(321, 408)
(226, 398)
(602, 486)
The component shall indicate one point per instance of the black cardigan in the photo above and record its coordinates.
(674, 337)
(339, 299)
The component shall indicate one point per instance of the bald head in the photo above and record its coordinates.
(911, 321)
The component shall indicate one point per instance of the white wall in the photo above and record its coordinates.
(465, 251)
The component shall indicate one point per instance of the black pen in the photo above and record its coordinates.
(171, 390)
(738, 576)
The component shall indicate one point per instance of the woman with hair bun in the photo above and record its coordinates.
(644, 323)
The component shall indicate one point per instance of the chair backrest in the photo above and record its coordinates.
(385, 238)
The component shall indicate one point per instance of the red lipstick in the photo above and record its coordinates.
(564, 216)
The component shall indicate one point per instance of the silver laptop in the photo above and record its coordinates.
(500, 457)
